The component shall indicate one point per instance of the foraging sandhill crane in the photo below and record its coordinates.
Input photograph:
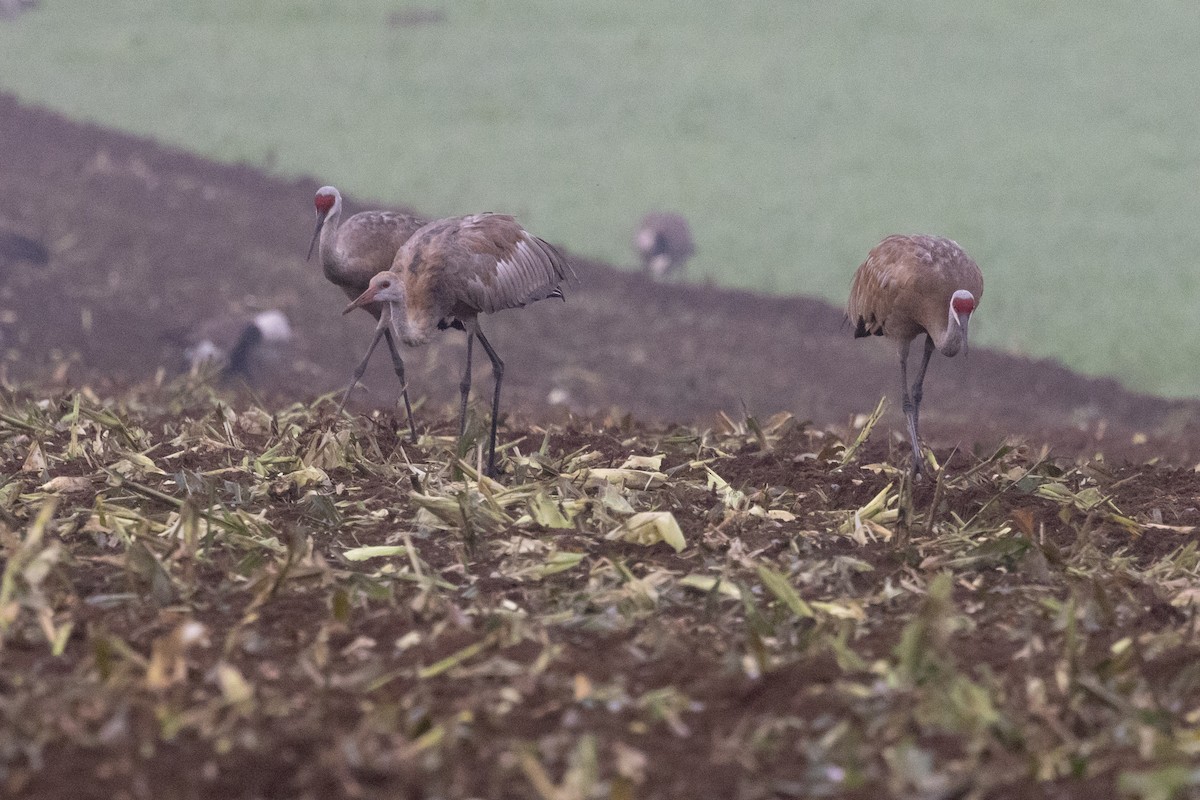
(664, 242)
(354, 251)
(451, 271)
(911, 285)
(231, 341)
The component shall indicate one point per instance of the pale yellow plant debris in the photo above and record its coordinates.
(846, 609)
(328, 450)
(869, 522)
(374, 551)
(307, 476)
(706, 583)
(779, 585)
(556, 562)
(234, 688)
(730, 497)
(1172, 528)
(549, 514)
(136, 465)
(35, 459)
(254, 421)
(613, 500)
(647, 463)
(67, 485)
(867, 426)
(520, 545)
(648, 528)
(452, 513)
(638, 479)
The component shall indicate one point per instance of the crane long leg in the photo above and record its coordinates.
(910, 409)
(498, 375)
(361, 369)
(916, 390)
(398, 366)
(465, 387)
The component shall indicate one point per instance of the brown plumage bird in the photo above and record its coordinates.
(911, 285)
(451, 271)
(664, 242)
(354, 251)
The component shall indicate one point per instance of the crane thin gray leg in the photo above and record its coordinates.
(498, 374)
(464, 387)
(917, 393)
(910, 409)
(361, 369)
(398, 366)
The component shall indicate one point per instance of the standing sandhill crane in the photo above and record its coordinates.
(351, 253)
(451, 271)
(911, 285)
(664, 241)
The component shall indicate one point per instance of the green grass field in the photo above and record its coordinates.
(1057, 143)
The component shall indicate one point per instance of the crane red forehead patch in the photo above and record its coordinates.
(323, 202)
(963, 305)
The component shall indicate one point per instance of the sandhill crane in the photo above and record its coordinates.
(664, 242)
(451, 271)
(911, 285)
(231, 341)
(351, 253)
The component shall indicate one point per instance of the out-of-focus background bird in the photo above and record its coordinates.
(664, 243)
(234, 344)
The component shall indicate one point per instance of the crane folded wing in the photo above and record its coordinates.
(525, 269)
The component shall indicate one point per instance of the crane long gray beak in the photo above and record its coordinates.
(316, 235)
(963, 321)
(363, 299)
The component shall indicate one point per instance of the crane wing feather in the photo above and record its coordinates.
(511, 267)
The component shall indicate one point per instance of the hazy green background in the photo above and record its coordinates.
(1058, 142)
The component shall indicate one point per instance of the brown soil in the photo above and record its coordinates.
(147, 241)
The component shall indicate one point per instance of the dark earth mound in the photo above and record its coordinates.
(145, 242)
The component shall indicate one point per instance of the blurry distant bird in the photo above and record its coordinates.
(351, 253)
(911, 285)
(10, 8)
(231, 342)
(451, 271)
(664, 242)
(16, 247)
